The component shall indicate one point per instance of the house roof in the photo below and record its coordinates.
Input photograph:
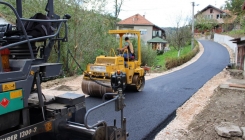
(156, 40)
(234, 40)
(209, 6)
(136, 19)
(238, 41)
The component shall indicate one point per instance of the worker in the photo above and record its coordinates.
(128, 45)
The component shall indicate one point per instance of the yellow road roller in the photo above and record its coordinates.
(97, 77)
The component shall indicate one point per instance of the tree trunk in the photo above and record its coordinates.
(179, 52)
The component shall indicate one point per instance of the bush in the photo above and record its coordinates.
(174, 62)
(148, 56)
(159, 52)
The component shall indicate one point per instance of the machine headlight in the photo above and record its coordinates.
(98, 68)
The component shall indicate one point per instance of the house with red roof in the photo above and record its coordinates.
(148, 29)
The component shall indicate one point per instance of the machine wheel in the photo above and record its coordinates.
(139, 82)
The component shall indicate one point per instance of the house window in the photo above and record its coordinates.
(211, 17)
(157, 33)
(206, 16)
(160, 33)
(217, 16)
(143, 31)
(211, 10)
(154, 33)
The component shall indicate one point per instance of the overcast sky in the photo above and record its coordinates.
(164, 13)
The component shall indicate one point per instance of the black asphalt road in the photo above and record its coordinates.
(149, 111)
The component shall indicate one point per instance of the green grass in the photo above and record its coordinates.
(235, 33)
(173, 53)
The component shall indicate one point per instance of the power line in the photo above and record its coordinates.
(141, 9)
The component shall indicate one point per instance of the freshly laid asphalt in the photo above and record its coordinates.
(149, 111)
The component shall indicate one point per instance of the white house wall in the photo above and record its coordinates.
(213, 15)
(148, 35)
(145, 29)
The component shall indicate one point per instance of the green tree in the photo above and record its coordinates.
(235, 6)
(179, 37)
(203, 23)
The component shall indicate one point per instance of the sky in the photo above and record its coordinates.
(165, 13)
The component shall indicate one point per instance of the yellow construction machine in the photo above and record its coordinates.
(97, 77)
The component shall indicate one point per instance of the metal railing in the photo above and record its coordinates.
(27, 39)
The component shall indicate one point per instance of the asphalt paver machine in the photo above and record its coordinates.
(25, 111)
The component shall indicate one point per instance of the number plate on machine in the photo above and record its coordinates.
(15, 94)
(29, 131)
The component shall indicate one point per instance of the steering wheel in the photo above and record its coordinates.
(119, 52)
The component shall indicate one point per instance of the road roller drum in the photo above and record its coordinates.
(92, 88)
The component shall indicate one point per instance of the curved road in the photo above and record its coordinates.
(149, 111)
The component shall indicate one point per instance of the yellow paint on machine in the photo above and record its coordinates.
(15, 94)
(8, 86)
(48, 126)
(32, 72)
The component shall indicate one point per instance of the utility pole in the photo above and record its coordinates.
(192, 39)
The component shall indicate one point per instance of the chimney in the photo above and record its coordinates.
(144, 16)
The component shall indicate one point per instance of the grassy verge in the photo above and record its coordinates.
(172, 53)
(235, 33)
(174, 62)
